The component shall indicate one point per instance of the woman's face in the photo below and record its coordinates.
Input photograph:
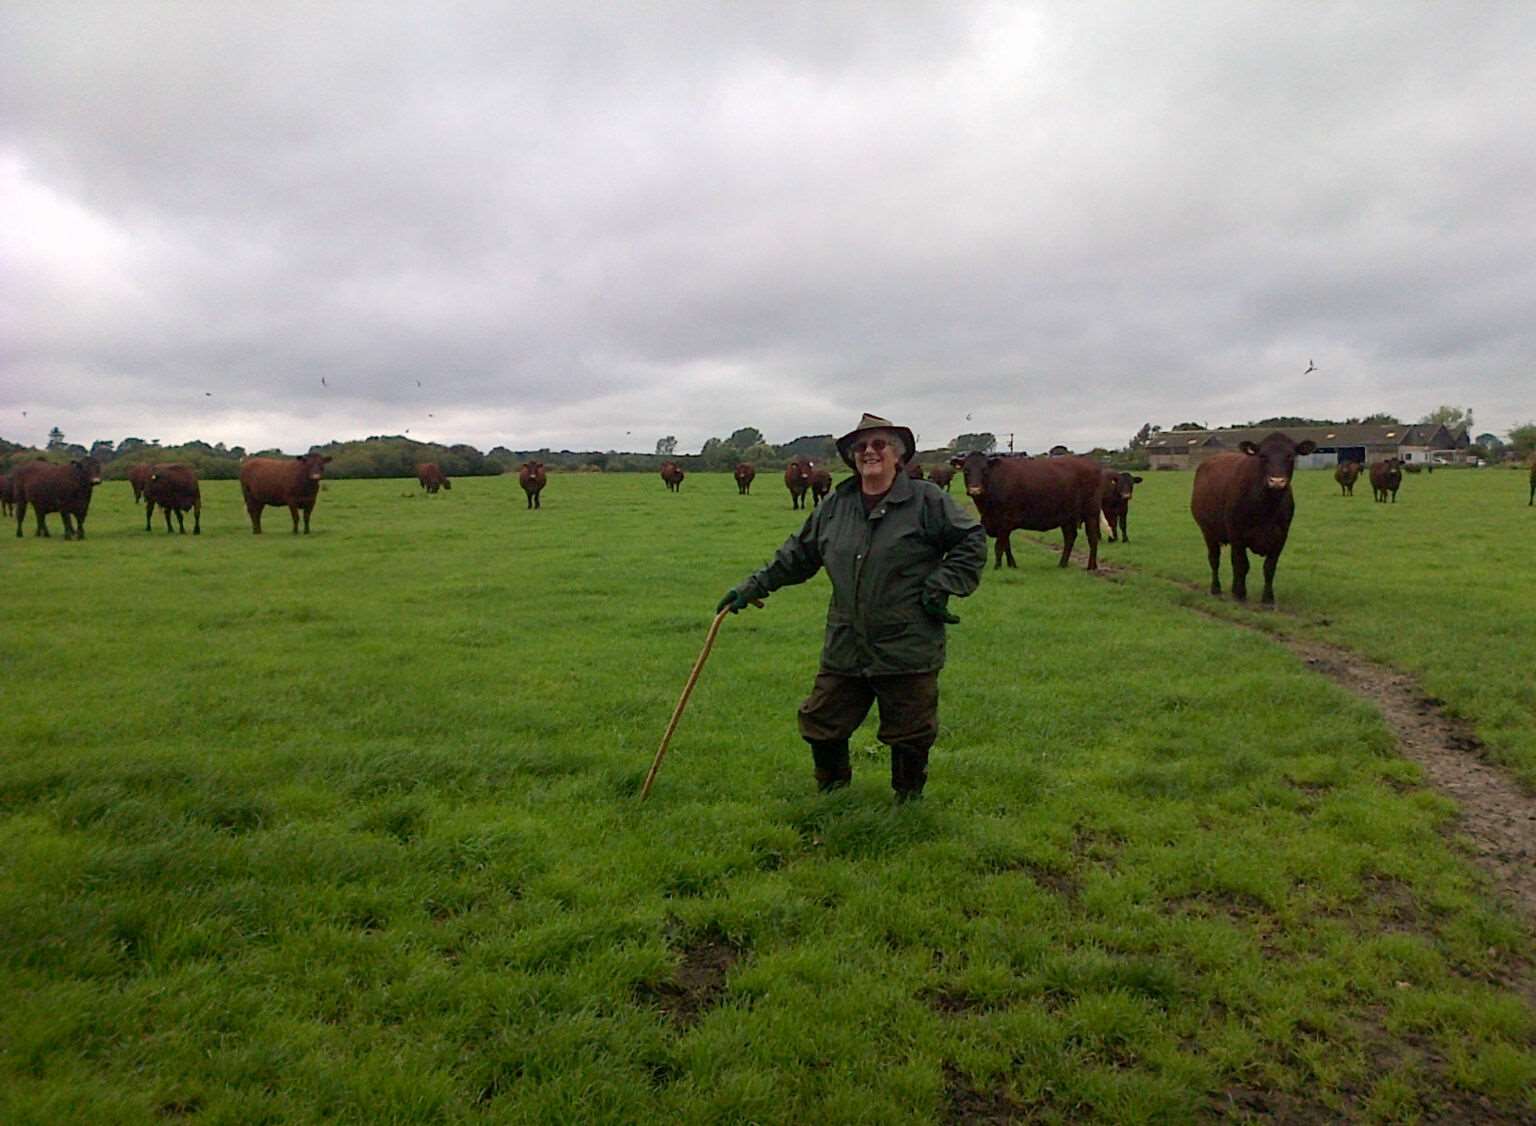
(874, 454)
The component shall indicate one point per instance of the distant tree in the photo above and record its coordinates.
(1142, 436)
(1189, 426)
(102, 450)
(1522, 440)
(1490, 442)
(55, 439)
(745, 437)
(1452, 418)
(666, 447)
(1290, 420)
(965, 443)
(760, 453)
(821, 447)
(1381, 418)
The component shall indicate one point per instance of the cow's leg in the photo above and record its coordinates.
(254, 512)
(181, 522)
(1091, 530)
(1125, 534)
(1239, 573)
(167, 512)
(42, 524)
(1271, 561)
(1069, 538)
(21, 512)
(149, 512)
(1213, 554)
(197, 519)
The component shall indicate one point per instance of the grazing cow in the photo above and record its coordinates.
(530, 475)
(1386, 477)
(1244, 499)
(914, 470)
(1036, 494)
(292, 481)
(1116, 502)
(138, 473)
(797, 479)
(942, 475)
(65, 489)
(821, 484)
(1346, 475)
(672, 476)
(744, 472)
(432, 477)
(174, 488)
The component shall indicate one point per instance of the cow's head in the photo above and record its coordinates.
(1277, 458)
(800, 470)
(314, 465)
(1121, 485)
(88, 468)
(974, 467)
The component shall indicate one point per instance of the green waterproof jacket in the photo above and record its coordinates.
(916, 541)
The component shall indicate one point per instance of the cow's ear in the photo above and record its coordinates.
(1306, 446)
(957, 462)
(1248, 447)
(1135, 480)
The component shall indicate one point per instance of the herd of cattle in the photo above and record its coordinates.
(1242, 501)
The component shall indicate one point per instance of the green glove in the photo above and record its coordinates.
(935, 608)
(734, 601)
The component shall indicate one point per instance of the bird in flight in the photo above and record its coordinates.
(418, 383)
(207, 394)
(1311, 367)
(968, 416)
(322, 381)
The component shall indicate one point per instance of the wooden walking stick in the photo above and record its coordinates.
(682, 701)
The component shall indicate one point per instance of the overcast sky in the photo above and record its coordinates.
(588, 226)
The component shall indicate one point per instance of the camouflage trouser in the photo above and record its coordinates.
(909, 708)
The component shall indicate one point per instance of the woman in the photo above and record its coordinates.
(895, 549)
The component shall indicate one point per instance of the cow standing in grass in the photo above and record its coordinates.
(672, 476)
(138, 473)
(797, 479)
(65, 489)
(1386, 478)
(1244, 499)
(293, 482)
(1346, 475)
(431, 477)
(1036, 494)
(942, 475)
(821, 485)
(174, 488)
(530, 475)
(1116, 502)
(744, 472)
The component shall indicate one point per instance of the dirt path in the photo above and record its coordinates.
(1497, 818)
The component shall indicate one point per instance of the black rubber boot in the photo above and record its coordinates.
(833, 771)
(909, 772)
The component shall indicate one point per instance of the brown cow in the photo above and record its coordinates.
(291, 481)
(138, 473)
(797, 479)
(530, 475)
(1116, 502)
(942, 475)
(1346, 475)
(821, 485)
(1036, 494)
(744, 472)
(6, 503)
(1386, 477)
(174, 488)
(431, 477)
(672, 476)
(914, 470)
(65, 489)
(1244, 499)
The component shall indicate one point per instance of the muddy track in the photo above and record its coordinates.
(1497, 819)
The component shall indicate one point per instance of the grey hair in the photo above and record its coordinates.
(896, 443)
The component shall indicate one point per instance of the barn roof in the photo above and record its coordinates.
(1326, 437)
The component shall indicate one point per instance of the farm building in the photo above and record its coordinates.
(1415, 444)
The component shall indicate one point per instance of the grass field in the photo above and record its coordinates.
(345, 827)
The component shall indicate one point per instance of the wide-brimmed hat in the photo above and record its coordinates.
(875, 422)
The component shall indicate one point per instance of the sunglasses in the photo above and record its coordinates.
(879, 445)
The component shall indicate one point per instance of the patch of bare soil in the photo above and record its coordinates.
(699, 981)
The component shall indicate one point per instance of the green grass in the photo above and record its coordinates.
(345, 827)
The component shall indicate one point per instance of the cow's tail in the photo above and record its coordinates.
(1104, 528)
